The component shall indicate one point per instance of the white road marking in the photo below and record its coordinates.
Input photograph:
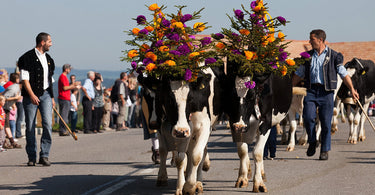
(116, 187)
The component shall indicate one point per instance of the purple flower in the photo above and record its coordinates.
(140, 69)
(305, 55)
(281, 20)
(183, 49)
(283, 56)
(274, 66)
(159, 43)
(173, 37)
(206, 41)
(236, 52)
(253, 16)
(187, 75)
(218, 36)
(209, 61)
(253, 4)
(186, 17)
(250, 84)
(134, 65)
(146, 61)
(174, 52)
(191, 36)
(239, 14)
(141, 19)
(165, 23)
(143, 31)
(281, 49)
(235, 35)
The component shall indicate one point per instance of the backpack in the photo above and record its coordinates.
(115, 91)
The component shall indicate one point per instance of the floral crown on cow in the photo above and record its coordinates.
(252, 43)
(166, 45)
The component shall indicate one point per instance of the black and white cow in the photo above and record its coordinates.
(251, 111)
(188, 112)
(362, 73)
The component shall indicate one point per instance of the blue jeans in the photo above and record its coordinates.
(20, 118)
(317, 97)
(271, 143)
(12, 126)
(45, 108)
(73, 120)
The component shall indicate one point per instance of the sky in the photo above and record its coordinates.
(89, 34)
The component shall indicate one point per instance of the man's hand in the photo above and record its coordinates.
(34, 99)
(53, 102)
(355, 94)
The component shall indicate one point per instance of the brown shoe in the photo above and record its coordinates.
(15, 145)
(44, 161)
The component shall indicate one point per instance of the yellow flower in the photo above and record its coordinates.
(283, 70)
(178, 25)
(153, 7)
(244, 32)
(135, 31)
(258, 8)
(220, 45)
(132, 53)
(281, 36)
(150, 67)
(149, 28)
(152, 56)
(271, 38)
(144, 47)
(199, 26)
(192, 55)
(170, 63)
(163, 48)
(290, 62)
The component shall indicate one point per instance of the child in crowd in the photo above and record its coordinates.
(2, 123)
(73, 109)
(12, 120)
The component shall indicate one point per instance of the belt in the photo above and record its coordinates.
(317, 85)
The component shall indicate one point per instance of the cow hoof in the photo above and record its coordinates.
(161, 182)
(290, 148)
(190, 190)
(206, 166)
(259, 188)
(302, 142)
(178, 192)
(242, 182)
(361, 138)
(199, 187)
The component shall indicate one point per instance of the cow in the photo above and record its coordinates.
(251, 111)
(188, 111)
(362, 73)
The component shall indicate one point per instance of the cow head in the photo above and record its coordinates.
(150, 102)
(180, 99)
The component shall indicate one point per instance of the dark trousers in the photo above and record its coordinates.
(73, 120)
(87, 114)
(318, 98)
(271, 143)
(97, 117)
(64, 107)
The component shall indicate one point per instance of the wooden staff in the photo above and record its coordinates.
(368, 118)
(67, 127)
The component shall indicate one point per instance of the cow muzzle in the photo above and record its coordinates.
(181, 132)
(239, 128)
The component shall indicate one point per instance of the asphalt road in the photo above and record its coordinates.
(120, 163)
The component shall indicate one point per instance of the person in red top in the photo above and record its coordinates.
(64, 96)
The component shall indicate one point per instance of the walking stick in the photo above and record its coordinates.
(368, 118)
(67, 127)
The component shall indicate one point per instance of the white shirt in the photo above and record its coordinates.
(74, 102)
(43, 60)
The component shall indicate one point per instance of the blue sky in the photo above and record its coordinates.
(89, 33)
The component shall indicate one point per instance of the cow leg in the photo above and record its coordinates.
(181, 161)
(258, 185)
(292, 131)
(362, 136)
(336, 112)
(162, 174)
(284, 137)
(244, 173)
(343, 120)
(355, 127)
(206, 162)
(200, 134)
(303, 139)
(351, 123)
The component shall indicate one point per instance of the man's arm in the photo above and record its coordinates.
(348, 82)
(86, 94)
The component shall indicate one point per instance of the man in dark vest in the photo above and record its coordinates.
(36, 70)
(320, 73)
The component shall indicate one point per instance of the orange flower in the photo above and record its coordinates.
(149, 28)
(199, 26)
(283, 70)
(271, 38)
(144, 47)
(170, 63)
(250, 55)
(244, 32)
(220, 45)
(192, 55)
(152, 56)
(132, 53)
(153, 7)
(281, 36)
(163, 48)
(150, 67)
(290, 62)
(135, 31)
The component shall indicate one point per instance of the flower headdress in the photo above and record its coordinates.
(166, 46)
(252, 43)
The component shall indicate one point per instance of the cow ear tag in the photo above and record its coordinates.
(202, 86)
(363, 72)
